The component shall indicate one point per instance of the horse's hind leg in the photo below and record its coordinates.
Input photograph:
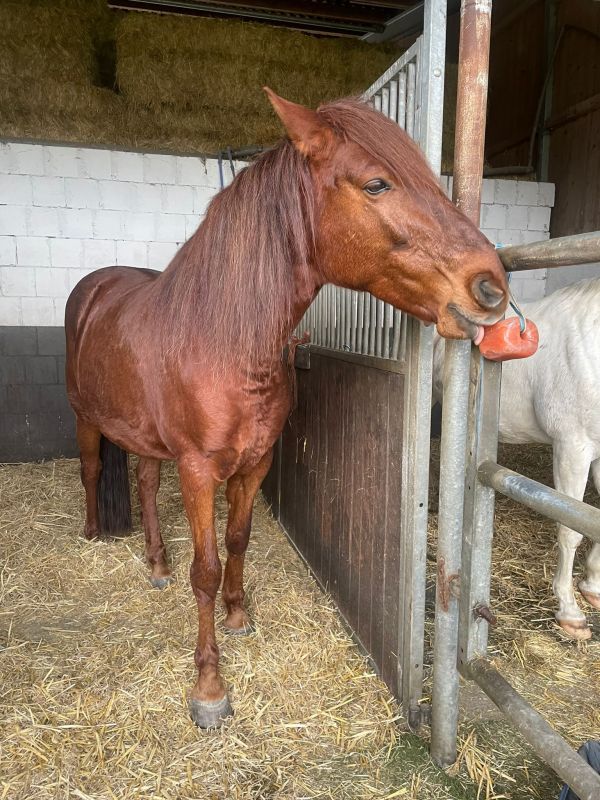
(590, 587)
(571, 468)
(148, 481)
(241, 491)
(88, 439)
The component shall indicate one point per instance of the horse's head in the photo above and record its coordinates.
(384, 225)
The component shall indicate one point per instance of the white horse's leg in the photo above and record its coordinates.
(590, 587)
(571, 468)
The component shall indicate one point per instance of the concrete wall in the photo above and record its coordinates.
(65, 211)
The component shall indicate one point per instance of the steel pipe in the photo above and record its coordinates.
(544, 740)
(563, 252)
(473, 60)
(560, 507)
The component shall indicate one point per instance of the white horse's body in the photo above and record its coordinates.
(554, 398)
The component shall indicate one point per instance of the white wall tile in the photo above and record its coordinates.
(527, 193)
(10, 311)
(538, 219)
(493, 217)
(15, 190)
(505, 192)
(17, 282)
(60, 161)
(132, 254)
(48, 191)
(147, 197)
(127, 166)
(170, 228)
(546, 194)
(117, 195)
(516, 218)
(66, 253)
(192, 221)
(202, 197)
(160, 254)
(178, 199)
(8, 250)
(51, 282)
(94, 163)
(159, 169)
(42, 221)
(13, 220)
(21, 159)
(37, 311)
(137, 226)
(33, 251)
(99, 253)
(108, 224)
(191, 171)
(82, 193)
(76, 223)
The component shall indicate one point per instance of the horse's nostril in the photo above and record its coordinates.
(487, 293)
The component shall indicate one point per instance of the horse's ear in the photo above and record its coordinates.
(309, 134)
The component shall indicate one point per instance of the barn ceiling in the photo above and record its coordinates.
(376, 20)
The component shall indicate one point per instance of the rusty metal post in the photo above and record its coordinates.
(471, 104)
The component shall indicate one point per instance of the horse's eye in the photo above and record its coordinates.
(376, 186)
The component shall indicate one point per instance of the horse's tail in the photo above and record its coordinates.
(114, 500)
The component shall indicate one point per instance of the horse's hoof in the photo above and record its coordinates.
(161, 582)
(210, 715)
(593, 598)
(576, 628)
(245, 630)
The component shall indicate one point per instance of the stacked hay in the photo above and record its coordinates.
(50, 69)
(72, 70)
(204, 77)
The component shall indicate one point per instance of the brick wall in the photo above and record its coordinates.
(65, 211)
(516, 212)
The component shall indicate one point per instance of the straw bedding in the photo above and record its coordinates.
(94, 667)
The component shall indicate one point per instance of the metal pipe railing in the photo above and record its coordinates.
(557, 506)
(566, 251)
(544, 740)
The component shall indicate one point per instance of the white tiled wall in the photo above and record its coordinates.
(516, 212)
(65, 211)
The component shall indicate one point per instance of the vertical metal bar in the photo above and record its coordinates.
(377, 101)
(322, 318)
(348, 318)
(393, 113)
(331, 315)
(418, 352)
(402, 99)
(398, 323)
(387, 329)
(355, 318)
(379, 328)
(365, 322)
(385, 100)
(474, 48)
(411, 83)
(372, 324)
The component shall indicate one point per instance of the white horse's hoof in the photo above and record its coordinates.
(575, 628)
(593, 598)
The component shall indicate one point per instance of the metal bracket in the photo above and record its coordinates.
(302, 357)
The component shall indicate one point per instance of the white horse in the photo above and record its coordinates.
(553, 397)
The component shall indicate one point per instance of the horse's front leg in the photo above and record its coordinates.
(241, 491)
(590, 586)
(571, 468)
(148, 481)
(208, 701)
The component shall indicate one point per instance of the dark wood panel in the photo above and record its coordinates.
(340, 494)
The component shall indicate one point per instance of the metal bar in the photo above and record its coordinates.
(396, 67)
(354, 322)
(478, 515)
(377, 101)
(450, 521)
(372, 306)
(394, 99)
(348, 319)
(411, 81)
(385, 100)
(544, 740)
(402, 99)
(363, 332)
(379, 330)
(397, 325)
(475, 24)
(584, 248)
(555, 505)
(387, 329)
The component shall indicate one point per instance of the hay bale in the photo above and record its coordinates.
(188, 63)
(41, 43)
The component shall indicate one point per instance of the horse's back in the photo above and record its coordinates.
(556, 392)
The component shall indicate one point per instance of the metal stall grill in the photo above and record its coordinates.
(357, 322)
(350, 476)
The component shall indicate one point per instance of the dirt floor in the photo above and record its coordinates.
(94, 667)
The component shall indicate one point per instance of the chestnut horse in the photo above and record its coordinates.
(186, 364)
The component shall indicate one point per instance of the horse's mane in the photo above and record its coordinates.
(230, 288)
